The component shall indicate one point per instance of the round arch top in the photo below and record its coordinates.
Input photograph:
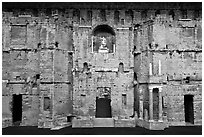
(103, 29)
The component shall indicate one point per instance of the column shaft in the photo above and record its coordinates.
(160, 105)
(150, 105)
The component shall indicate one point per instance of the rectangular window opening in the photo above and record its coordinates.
(124, 100)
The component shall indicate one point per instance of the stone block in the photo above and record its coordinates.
(103, 122)
(6, 107)
(82, 123)
(124, 123)
(31, 110)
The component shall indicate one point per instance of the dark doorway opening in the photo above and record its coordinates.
(155, 103)
(103, 108)
(17, 110)
(188, 106)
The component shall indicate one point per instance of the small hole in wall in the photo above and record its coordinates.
(122, 21)
(56, 44)
(85, 66)
(18, 78)
(124, 100)
(69, 118)
(47, 103)
(157, 13)
(37, 76)
(121, 67)
(187, 79)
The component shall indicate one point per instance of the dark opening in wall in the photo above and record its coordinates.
(187, 79)
(155, 103)
(144, 14)
(37, 76)
(184, 14)
(121, 67)
(157, 13)
(172, 14)
(135, 76)
(48, 11)
(85, 66)
(103, 15)
(196, 14)
(47, 104)
(189, 109)
(76, 15)
(129, 15)
(18, 78)
(69, 118)
(116, 17)
(83, 100)
(17, 109)
(124, 100)
(122, 21)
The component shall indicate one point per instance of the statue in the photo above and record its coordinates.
(103, 47)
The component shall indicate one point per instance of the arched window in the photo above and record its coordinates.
(121, 67)
(103, 39)
(85, 66)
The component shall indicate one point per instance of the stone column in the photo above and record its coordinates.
(150, 105)
(150, 69)
(160, 105)
(141, 104)
(141, 108)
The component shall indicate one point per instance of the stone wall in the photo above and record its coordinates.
(45, 51)
(171, 50)
(37, 63)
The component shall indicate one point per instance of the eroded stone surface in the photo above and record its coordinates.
(51, 54)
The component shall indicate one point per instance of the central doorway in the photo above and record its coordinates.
(188, 107)
(103, 108)
(103, 103)
(17, 110)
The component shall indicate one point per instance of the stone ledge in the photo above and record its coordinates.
(124, 123)
(79, 123)
(155, 125)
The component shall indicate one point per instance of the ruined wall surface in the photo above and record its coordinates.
(37, 63)
(102, 67)
(48, 57)
(176, 44)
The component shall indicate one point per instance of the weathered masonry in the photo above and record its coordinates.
(102, 64)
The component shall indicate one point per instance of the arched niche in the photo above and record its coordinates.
(103, 39)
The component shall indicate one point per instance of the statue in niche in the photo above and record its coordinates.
(103, 47)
